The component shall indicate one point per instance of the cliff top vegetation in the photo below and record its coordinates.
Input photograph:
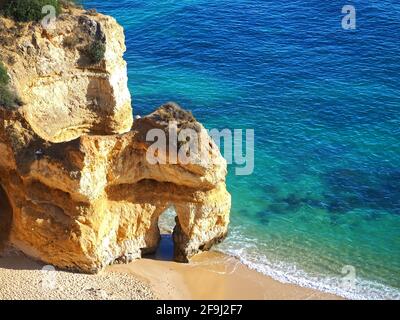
(32, 10)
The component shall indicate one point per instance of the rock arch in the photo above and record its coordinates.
(164, 249)
(75, 166)
(96, 200)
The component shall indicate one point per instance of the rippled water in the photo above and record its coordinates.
(325, 106)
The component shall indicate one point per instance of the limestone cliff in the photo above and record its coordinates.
(77, 189)
(65, 95)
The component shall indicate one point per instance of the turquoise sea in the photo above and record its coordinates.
(323, 203)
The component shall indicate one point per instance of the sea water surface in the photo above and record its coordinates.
(322, 208)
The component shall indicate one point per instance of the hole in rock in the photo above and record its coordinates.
(5, 218)
(166, 224)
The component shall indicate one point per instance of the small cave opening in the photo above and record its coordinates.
(166, 225)
(5, 218)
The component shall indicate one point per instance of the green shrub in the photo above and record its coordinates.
(96, 51)
(29, 10)
(7, 97)
(4, 79)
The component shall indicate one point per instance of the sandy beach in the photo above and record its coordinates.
(210, 275)
(24, 279)
(214, 276)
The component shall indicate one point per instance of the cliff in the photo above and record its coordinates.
(77, 188)
(65, 94)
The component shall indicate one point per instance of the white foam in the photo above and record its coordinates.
(363, 289)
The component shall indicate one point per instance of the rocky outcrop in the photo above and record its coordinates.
(65, 94)
(77, 188)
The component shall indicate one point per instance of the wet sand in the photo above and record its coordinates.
(211, 275)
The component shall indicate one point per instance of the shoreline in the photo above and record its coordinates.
(214, 276)
(209, 276)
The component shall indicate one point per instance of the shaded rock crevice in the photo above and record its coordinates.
(5, 218)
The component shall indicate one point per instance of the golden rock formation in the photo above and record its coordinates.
(76, 187)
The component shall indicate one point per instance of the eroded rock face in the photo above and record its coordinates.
(77, 188)
(86, 203)
(65, 94)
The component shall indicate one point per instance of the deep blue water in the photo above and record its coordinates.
(325, 106)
